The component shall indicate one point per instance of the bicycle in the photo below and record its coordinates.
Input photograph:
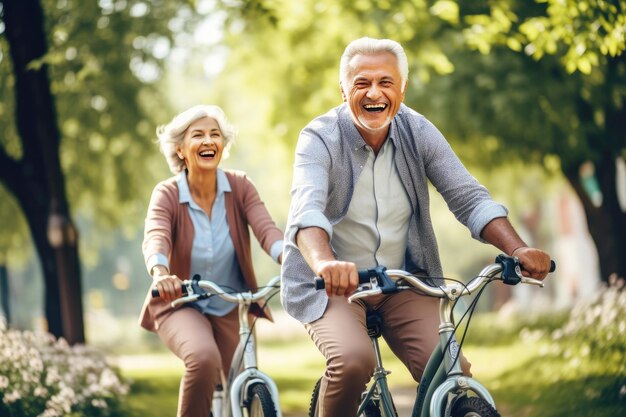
(443, 390)
(247, 390)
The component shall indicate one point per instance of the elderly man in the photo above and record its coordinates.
(359, 200)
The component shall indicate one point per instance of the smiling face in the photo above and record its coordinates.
(202, 145)
(374, 92)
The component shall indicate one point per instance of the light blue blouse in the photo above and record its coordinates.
(213, 254)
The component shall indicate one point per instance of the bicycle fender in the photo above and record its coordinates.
(452, 386)
(243, 381)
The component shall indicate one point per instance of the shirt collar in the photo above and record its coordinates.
(184, 195)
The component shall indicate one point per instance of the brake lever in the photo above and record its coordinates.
(532, 281)
(185, 299)
(364, 293)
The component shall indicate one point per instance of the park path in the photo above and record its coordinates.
(403, 398)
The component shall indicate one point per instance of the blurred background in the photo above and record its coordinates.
(530, 94)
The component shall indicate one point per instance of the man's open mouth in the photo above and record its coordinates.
(375, 108)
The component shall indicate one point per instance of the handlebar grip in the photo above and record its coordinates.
(364, 277)
(319, 283)
(155, 292)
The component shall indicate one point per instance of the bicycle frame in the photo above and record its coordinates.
(436, 383)
(239, 380)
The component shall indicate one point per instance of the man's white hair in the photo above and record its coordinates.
(371, 46)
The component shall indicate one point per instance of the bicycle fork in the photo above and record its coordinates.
(239, 386)
(447, 382)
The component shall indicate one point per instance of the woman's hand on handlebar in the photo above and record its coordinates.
(535, 263)
(340, 278)
(170, 286)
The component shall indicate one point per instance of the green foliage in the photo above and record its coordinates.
(491, 329)
(289, 66)
(41, 376)
(579, 32)
(553, 60)
(581, 368)
(104, 61)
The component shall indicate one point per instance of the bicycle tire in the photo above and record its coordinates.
(260, 402)
(473, 407)
(371, 410)
(313, 410)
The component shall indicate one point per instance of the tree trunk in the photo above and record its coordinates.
(4, 293)
(37, 179)
(606, 222)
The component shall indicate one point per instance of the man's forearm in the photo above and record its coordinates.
(314, 245)
(501, 234)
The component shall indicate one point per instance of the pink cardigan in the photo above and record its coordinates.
(169, 230)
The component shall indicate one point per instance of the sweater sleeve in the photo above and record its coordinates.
(263, 226)
(157, 241)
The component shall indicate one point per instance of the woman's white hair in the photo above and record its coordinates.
(371, 46)
(170, 136)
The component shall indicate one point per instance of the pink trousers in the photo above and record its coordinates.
(206, 345)
(411, 323)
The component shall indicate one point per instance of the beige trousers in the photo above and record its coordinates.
(206, 345)
(411, 323)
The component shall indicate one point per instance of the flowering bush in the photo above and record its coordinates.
(44, 377)
(597, 328)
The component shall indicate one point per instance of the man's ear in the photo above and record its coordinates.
(343, 93)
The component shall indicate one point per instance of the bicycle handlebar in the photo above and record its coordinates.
(214, 289)
(383, 281)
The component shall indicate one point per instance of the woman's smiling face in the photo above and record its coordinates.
(202, 145)
(374, 92)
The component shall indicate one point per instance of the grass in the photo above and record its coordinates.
(154, 383)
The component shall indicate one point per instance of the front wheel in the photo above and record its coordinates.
(260, 403)
(473, 407)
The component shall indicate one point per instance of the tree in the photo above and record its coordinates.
(541, 82)
(551, 86)
(84, 104)
(38, 184)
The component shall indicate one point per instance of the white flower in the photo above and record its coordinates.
(40, 391)
(99, 403)
(12, 396)
(4, 382)
(36, 366)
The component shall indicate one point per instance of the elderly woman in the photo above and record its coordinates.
(197, 223)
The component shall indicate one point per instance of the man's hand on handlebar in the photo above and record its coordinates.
(340, 278)
(535, 263)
